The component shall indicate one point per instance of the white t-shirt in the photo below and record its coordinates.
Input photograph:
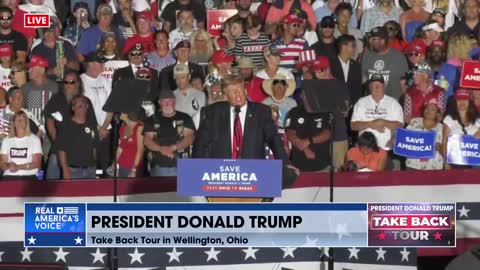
(97, 90)
(175, 36)
(366, 109)
(20, 151)
(5, 81)
(48, 7)
(191, 103)
(456, 128)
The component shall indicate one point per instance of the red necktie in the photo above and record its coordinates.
(237, 136)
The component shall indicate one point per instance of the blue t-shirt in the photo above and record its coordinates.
(451, 74)
(90, 38)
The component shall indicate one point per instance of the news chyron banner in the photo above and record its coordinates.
(239, 225)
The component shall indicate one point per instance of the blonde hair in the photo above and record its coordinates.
(13, 131)
(209, 43)
(459, 46)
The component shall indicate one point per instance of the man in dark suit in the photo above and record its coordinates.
(182, 53)
(347, 70)
(135, 58)
(237, 128)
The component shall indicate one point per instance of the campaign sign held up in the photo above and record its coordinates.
(414, 143)
(470, 77)
(55, 224)
(463, 150)
(229, 178)
(216, 18)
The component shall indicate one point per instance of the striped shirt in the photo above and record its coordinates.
(253, 48)
(290, 52)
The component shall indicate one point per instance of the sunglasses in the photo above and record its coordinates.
(327, 25)
(391, 28)
(69, 81)
(136, 53)
(413, 54)
(295, 24)
(283, 82)
(5, 18)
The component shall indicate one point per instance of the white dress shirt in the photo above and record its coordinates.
(135, 68)
(242, 115)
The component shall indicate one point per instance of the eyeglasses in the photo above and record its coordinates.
(136, 53)
(283, 82)
(5, 18)
(69, 81)
(413, 54)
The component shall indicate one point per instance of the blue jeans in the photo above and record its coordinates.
(163, 171)
(83, 173)
(124, 172)
(53, 170)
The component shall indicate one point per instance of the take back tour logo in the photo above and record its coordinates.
(54, 224)
(242, 178)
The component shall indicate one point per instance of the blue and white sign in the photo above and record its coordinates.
(229, 178)
(414, 143)
(463, 150)
(55, 224)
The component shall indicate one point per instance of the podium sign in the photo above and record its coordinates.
(229, 178)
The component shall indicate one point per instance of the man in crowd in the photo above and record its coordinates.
(124, 18)
(182, 53)
(288, 43)
(378, 15)
(76, 143)
(10, 36)
(326, 43)
(97, 88)
(469, 24)
(168, 135)
(170, 17)
(187, 99)
(422, 91)
(280, 9)
(386, 61)
(329, 8)
(378, 113)
(144, 34)
(185, 29)
(162, 56)
(441, 74)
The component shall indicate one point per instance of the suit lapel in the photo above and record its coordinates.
(228, 131)
(341, 70)
(248, 124)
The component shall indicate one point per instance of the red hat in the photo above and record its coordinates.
(6, 50)
(321, 62)
(146, 15)
(37, 61)
(143, 73)
(462, 94)
(438, 43)
(434, 102)
(416, 46)
(220, 57)
(292, 18)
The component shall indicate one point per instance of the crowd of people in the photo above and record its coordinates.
(393, 63)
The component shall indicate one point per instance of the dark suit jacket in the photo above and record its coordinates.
(166, 75)
(213, 139)
(354, 80)
(127, 73)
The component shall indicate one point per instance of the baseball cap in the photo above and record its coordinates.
(79, 5)
(272, 50)
(245, 62)
(166, 93)
(146, 15)
(183, 44)
(376, 77)
(434, 102)
(416, 46)
(180, 70)
(438, 43)
(136, 47)
(433, 26)
(321, 62)
(37, 61)
(327, 22)
(379, 31)
(95, 57)
(422, 67)
(220, 57)
(440, 11)
(462, 94)
(292, 18)
(6, 50)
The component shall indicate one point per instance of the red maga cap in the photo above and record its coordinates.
(220, 57)
(462, 94)
(37, 61)
(321, 62)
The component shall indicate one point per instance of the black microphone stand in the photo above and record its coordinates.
(113, 254)
(331, 120)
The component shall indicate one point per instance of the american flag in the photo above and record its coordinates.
(36, 100)
(436, 186)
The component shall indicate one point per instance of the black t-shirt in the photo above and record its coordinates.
(16, 39)
(307, 125)
(170, 12)
(168, 131)
(78, 142)
(329, 50)
(59, 103)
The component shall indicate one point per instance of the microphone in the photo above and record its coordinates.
(237, 109)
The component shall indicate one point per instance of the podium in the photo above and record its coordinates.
(230, 181)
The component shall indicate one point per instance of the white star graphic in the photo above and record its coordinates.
(342, 230)
(31, 240)
(324, 251)
(61, 255)
(353, 252)
(212, 254)
(405, 254)
(26, 254)
(288, 251)
(463, 212)
(136, 257)
(78, 240)
(381, 254)
(1, 254)
(98, 256)
(310, 242)
(250, 253)
(174, 255)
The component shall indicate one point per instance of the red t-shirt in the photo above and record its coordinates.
(129, 147)
(17, 25)
(147, 42)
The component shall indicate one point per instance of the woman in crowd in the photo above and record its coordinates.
(344, 12)
(460, 118)
(438, 15)
(431, 121)
(395, 36)
(431, 31)
(18, 74)
(79, 22)
(202, 47)
(130, 147)
(366, 154)
(279, 90)
(412, 19)
(21, 152)
(109, 47)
